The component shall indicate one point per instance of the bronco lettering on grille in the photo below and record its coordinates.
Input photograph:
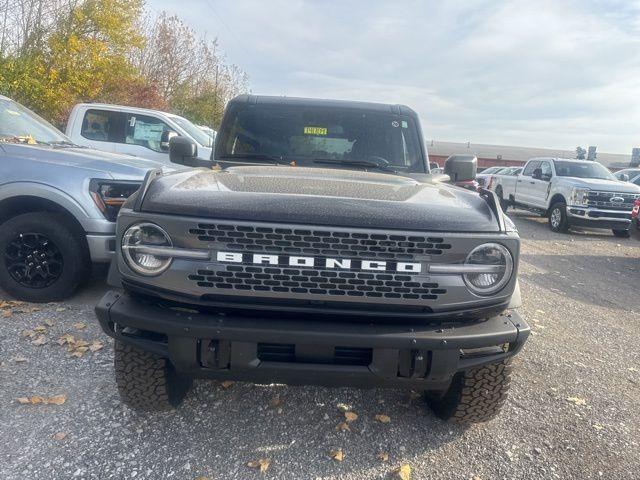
(313, 262)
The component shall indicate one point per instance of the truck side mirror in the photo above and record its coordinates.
(461, 168)
(184, 151)
(165, 138)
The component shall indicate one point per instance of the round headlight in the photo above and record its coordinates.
(138, 244)
(495, 266)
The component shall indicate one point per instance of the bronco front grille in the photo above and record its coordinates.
(603, 200)
(324, 242)
(317, 282)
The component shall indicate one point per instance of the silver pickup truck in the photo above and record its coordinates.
(570, 193)
(58, 205)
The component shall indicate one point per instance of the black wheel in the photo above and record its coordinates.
(621, 233)
(147, 382)
(476, 395)
(558, 217)
(43, 258)
(504, 204)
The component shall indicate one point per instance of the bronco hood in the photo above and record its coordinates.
(318, 196)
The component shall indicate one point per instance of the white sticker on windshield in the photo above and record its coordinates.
(405, 124)
(132, 122)
(395, 123)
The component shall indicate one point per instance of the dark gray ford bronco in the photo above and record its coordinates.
(316, 248)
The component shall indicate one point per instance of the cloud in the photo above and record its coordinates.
(546, 73)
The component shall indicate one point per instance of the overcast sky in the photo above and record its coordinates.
(530, 73)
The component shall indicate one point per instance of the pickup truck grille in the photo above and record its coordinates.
(318, 242)
(603, 200)
(316, 282)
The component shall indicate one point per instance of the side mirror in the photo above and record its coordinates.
(624, 177)
(165, 138)
(537, 174)
(461, 168)
(184, 151)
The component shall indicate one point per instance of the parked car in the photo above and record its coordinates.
(572, 192)
(483, 177)
(627, 174)
(133, 131)
(505, 179)
(352, 266)
(58, 205)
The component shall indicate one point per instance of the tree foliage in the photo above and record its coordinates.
(56, 53)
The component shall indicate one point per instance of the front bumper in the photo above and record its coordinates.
(302, 351)
(599, 218)
(102, 248)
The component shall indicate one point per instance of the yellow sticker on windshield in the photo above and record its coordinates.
(315, 131)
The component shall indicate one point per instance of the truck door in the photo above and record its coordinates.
(539, 185)
(525, 183)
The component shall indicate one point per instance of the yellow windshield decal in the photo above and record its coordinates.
(315, 131)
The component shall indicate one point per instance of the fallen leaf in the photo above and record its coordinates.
(337, 454)
(59, 436)
(226, 384)
(262, 464)
(403, 472)
(66, 339)
(95, 346)
(6, 313)
(343, 427)
(23, 400)
(275, 401)
(597, 426)
(350, 416)
(60, 309)
(28, 333)
(56, 400)
(40, 329)
(383, 456)
(577, 401)
(37, 400)
(79, 325)
(383, 418)
(343, 407)
(40, 340)
(49, 323)
(20, 359)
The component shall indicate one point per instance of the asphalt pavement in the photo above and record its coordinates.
(573, 411)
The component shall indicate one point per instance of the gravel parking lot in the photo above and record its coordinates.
(573, 410)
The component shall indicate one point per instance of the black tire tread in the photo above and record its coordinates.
(475, 395)
(146, 382)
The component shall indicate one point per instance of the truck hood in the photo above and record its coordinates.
(318, 196)
(120, 167)
(602, 185)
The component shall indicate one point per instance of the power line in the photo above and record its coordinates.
(237, 39)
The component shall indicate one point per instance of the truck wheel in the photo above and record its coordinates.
(146, 381)
(621, 233)
(504, 204)
(558, 217)
(475, 395)
(43, 258)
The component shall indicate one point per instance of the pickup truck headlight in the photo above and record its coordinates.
(495, 266)
(579, 197)
(142, 249)
(109, 195)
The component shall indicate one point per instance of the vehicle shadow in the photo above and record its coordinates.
(296, 427)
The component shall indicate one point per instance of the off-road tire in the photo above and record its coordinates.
(561, 224)
(475, 395)
(147, 382)
(621, 233)
(76, 262)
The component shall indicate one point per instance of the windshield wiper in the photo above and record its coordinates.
(377, 163)
(62, 143)
(253, 156)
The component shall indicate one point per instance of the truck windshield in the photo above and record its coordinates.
(196, 133)
(324, 135)
(20, 125)
(582, 170)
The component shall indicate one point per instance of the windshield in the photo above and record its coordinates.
(322, 134)
(19, 124)
(196, 133)
(582, 170)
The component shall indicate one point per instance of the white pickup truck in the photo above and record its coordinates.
(570, 192)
